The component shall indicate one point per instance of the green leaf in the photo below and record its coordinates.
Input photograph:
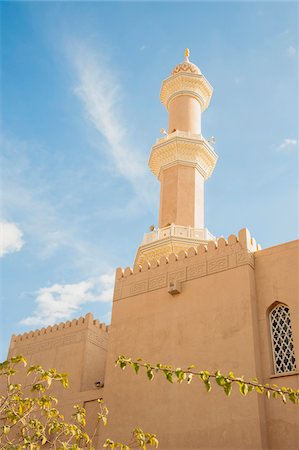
(244, 389)
(220, 379)
(260, 389)
(227, 387)
(168, 375)
(150, 374)
(136, 367)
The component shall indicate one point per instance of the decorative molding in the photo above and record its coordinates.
(186, 66)
(139, 287)
(63, 329)
(178, 149)
(157, 282)
(178, 275)
(217, 265)
(164, 247)
(197, 271)
(41, 345)
(181, 265)
(186, 83)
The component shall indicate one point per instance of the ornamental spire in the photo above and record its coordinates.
(187, 54)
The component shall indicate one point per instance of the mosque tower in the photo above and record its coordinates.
(182, 161)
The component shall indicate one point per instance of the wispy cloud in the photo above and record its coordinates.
(10, 238)
(100, 92)
(291, 50)
(61, 302)
(47, 221)
(288, 144)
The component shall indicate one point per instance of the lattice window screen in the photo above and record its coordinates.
(282, 339)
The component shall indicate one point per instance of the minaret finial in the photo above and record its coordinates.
(187, 53)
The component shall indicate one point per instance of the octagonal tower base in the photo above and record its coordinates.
(172, 239)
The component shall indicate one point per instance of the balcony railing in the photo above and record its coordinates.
(202, 234)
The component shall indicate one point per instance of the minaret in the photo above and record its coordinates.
(182, 161)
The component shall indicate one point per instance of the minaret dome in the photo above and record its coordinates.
(185, 94)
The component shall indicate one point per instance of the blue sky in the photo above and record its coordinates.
(80, 111)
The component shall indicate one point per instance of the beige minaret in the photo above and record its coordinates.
(182, 161)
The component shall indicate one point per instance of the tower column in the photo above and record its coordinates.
(179, 182)
(182, 161)
(184, 114)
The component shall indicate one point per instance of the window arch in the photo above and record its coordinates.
(282, 339)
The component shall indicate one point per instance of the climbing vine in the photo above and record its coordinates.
(223, 381)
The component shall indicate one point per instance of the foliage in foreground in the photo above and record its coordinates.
(30, 420)
(225, 382)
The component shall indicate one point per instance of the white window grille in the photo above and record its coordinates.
(282, 339)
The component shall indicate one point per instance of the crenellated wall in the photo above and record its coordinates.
(57, 329)
(196, 307)
(77, 347)
(206, 306)
(197, 262)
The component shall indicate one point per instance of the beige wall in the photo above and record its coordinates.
(277, 280)
(218, 321)
(184, 114)
(211, 324)
(181, 197)
(78, 348)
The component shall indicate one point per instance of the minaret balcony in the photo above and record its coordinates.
(182, 147)
(184, 83)
(171, 239)
(201, 234)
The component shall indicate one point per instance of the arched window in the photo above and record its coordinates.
(282, 339)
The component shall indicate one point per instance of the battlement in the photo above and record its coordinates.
(242, 241)
(55, 330)
(205, 259)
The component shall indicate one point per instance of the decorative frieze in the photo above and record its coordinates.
(197, 271)
(204, 260)
(186, 83)
(218, 264)
(41, 345)
(180, 147)
(157, 282)
(178, 275)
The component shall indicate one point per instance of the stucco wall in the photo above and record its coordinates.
(211, 323)
(78, 348)
(218, 321)
(277, 281)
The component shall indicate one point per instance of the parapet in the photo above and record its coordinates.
(205, 259)
(60, 332)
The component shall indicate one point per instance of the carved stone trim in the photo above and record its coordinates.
(189, 268)
(178, 275)
(157, 282)
(192, 82)
(44, 345)
(183, 150)
(163, 247)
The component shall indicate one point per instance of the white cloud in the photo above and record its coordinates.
(287, 144)
(100, 92)
(47, 222)
(10, 238)
(291, 50)
(61, 301)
